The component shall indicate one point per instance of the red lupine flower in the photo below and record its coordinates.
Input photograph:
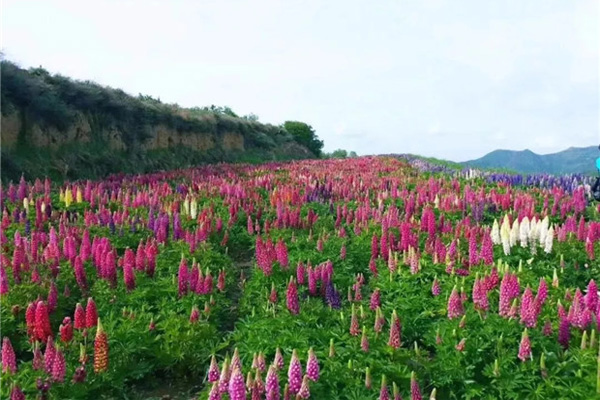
(100, 349)
(42, 329)
(455, 306)
(415, 391)
(91, 314)
(312, 366)
(524, 347)
(292, 297)
(79, 319)
(66, 330)
(59, 368)
(30, 318)
(9, 359)
(395, 338)
(294, 373)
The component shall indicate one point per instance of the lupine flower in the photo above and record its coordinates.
(194, 315)
(30, 318)
(42, 329)
(375, 299)
(528, 312)
(38, 358)
(455, 306)
(525, 347)
(59, 368)
(100, 349)
(379, 320)
(292, 297)
(294, 373)
(364, 341)
(49, 355)
(564, 333)
(52, 297)
(9, 359)
(183, 278)
(542, 292)
(258, 387)
(221, 280)
(79, 374)
(384, 394)
(591, 296)
(80, 275)
(304, 392)
(128, 270)
(395, 338)
(91, 314)
(368, 379)
(435, 287)
(16, 393)
(415, 391)
(215, 393)
(480, 299)
(66, 330)
(272, 384)
(547, 330)
(461, 345)
(237, 388)
(213, 370)
(354, 328)
(312, 366)
(80, 322)
(224, 377)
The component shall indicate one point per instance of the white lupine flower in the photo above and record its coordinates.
(514, 233)
(549, 240)
(194, 208)
(495, 234)
(186, 206)
(505, 237)
(544, 230)
(524, 232)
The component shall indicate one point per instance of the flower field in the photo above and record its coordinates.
(368, 278)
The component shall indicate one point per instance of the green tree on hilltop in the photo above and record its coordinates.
(305, 135)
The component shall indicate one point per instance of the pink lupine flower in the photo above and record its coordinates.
(9, 359)
(213, 370)
(52, 297)
(49, 355)
(364, 341)
(525, 347)
(292, 297)
(183, 278)
(455, 305)
(215, 393)
(375, 301)
(4, 287)
(591, 296)
(480, 299)
(373, 267)
(300, 273)
(128, 270)
(415, 391)
(395, 338)
(66, 330)
(461, 345)
(58, 367)
(435, 287)
(304, 392)
(79, 318)
(547, 330)
(272, 387)
(91, 314)
(80, 276)
(273, 295)
(384, 394)
(224, 377)
(379, 320)
(343, 252)
(237, 388)
(542, 292)
(312, 366)
(194, 315)
(294, 373)
(278, 361)
(16, 393)
(236, 362)
(258, 388)
(38, 358)
(221, 280)
(260, 361)
(354, 328)
(282, 254)
(528, 313)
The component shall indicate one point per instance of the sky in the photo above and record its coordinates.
(439, 78)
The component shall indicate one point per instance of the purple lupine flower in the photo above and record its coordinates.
(564, 333)
(16, 393)
(294, 373)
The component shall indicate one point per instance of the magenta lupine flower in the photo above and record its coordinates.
(436, 288)
(66, 330)
(487, 250)
(455, 305)
(354, 328)
(183, 278)
(304, 392)
(278, 361)
(395, 338)
(480, 299)
(364, 341)
(224, 377)
(373, 267)
(30, 318)
(237, 387)
(547, 330)
(524, 347)
(281, 252)
(300, 273)
(38, 358)
(79, 318)
(508, 287)
(80, 276)
(235, 360)
(312, 366)
(375, 299)
(128, 271)
(4, 288)
(415, 391)
(272, 387)
(9, 359)
(564, 333)
(384, 394)
(258, 387)
(49, 355)
(473, 256)
(140, 257)
(52, 297)
(528, 309)
(260, 362)
(16, 393)
(591, 297)
(292, 297)
(91, 314)
(215, 393)
(213, 370)
(294, 373)
(542, 292)
(58, 367)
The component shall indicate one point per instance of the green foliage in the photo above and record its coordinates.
(305, 135)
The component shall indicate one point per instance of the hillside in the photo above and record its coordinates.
(569, 161)
(66, 129)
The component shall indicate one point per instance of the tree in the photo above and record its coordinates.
(339, 153)
(305, 135)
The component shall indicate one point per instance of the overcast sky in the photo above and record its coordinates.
(439, 78)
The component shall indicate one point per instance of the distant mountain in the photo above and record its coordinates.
(570, 161)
